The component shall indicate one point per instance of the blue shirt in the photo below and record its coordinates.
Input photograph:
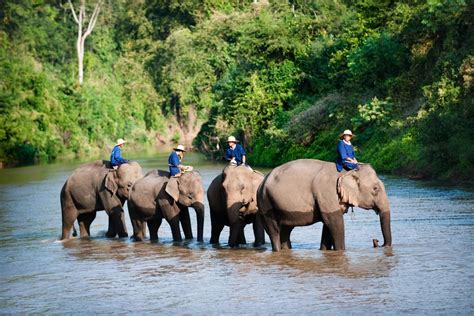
(115, 157)
(238, 152)
(174, 162)
(343, 151)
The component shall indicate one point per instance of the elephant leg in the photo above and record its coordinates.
(272, 228)
(112, 230)
(69, 214)
(335, 223)
(216, 231)
(121, 226)
(185, 222)
(85, 220)
(174, 224)
(236, 232)
(258, 231)
(153, 226)
(285, 236)
(117, 223)
(138, 230)
(68, 223)
(241, 239)
(327, 242)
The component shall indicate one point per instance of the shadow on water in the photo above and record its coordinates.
(377, 263)
(154, 255)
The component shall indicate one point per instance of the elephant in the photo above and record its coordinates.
(305, 191)
(233, 202)
(157, 196)
(93, 187)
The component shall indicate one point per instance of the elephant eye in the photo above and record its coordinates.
(376, 189)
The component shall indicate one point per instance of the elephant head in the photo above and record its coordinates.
(363, 188)
(240, 185)
(188, 191)
(120, 181)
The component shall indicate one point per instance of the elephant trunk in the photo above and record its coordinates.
(199, 208)
(386, 230)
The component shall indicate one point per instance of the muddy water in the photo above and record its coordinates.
(430, 268)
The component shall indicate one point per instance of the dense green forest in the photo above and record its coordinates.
(286, 77)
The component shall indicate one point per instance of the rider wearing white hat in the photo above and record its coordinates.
(345, 152)
(115, 157)
(174, 161)
(235, 153)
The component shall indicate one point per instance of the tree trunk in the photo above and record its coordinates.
(81, 36)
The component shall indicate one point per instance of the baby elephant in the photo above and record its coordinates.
(158, 195)
(233, 202)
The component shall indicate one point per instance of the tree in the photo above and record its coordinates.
(81, 36)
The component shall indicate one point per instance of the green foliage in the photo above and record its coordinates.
(43, 115)
(376, 111)
(286, 77)
(378, 58)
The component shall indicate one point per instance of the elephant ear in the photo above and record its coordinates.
(111, 182)
(172, 188)
(348, 188)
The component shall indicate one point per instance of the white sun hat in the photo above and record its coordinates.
(120, 141)
(232, 139)
(346, 132)
(180, 148)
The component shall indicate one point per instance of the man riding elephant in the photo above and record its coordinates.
(97, 186)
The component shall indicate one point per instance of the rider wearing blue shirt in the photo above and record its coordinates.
(235, 153)
(345, 153)
(115, 157)
(174, 161)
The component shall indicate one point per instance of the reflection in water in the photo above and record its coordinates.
(428, 270)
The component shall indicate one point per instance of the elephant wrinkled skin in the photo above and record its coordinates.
(233, 202)
(93, 187)
(306, 191)
(158, 196)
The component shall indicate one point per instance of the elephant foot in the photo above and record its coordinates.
(123, 235)
(136, 239)
(110, 235)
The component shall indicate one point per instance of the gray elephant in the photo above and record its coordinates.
(306, 191)
(93, 187)
(233, 202)
(158, 196)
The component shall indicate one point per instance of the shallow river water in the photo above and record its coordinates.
(429, 270)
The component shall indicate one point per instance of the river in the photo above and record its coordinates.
(429, 270)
